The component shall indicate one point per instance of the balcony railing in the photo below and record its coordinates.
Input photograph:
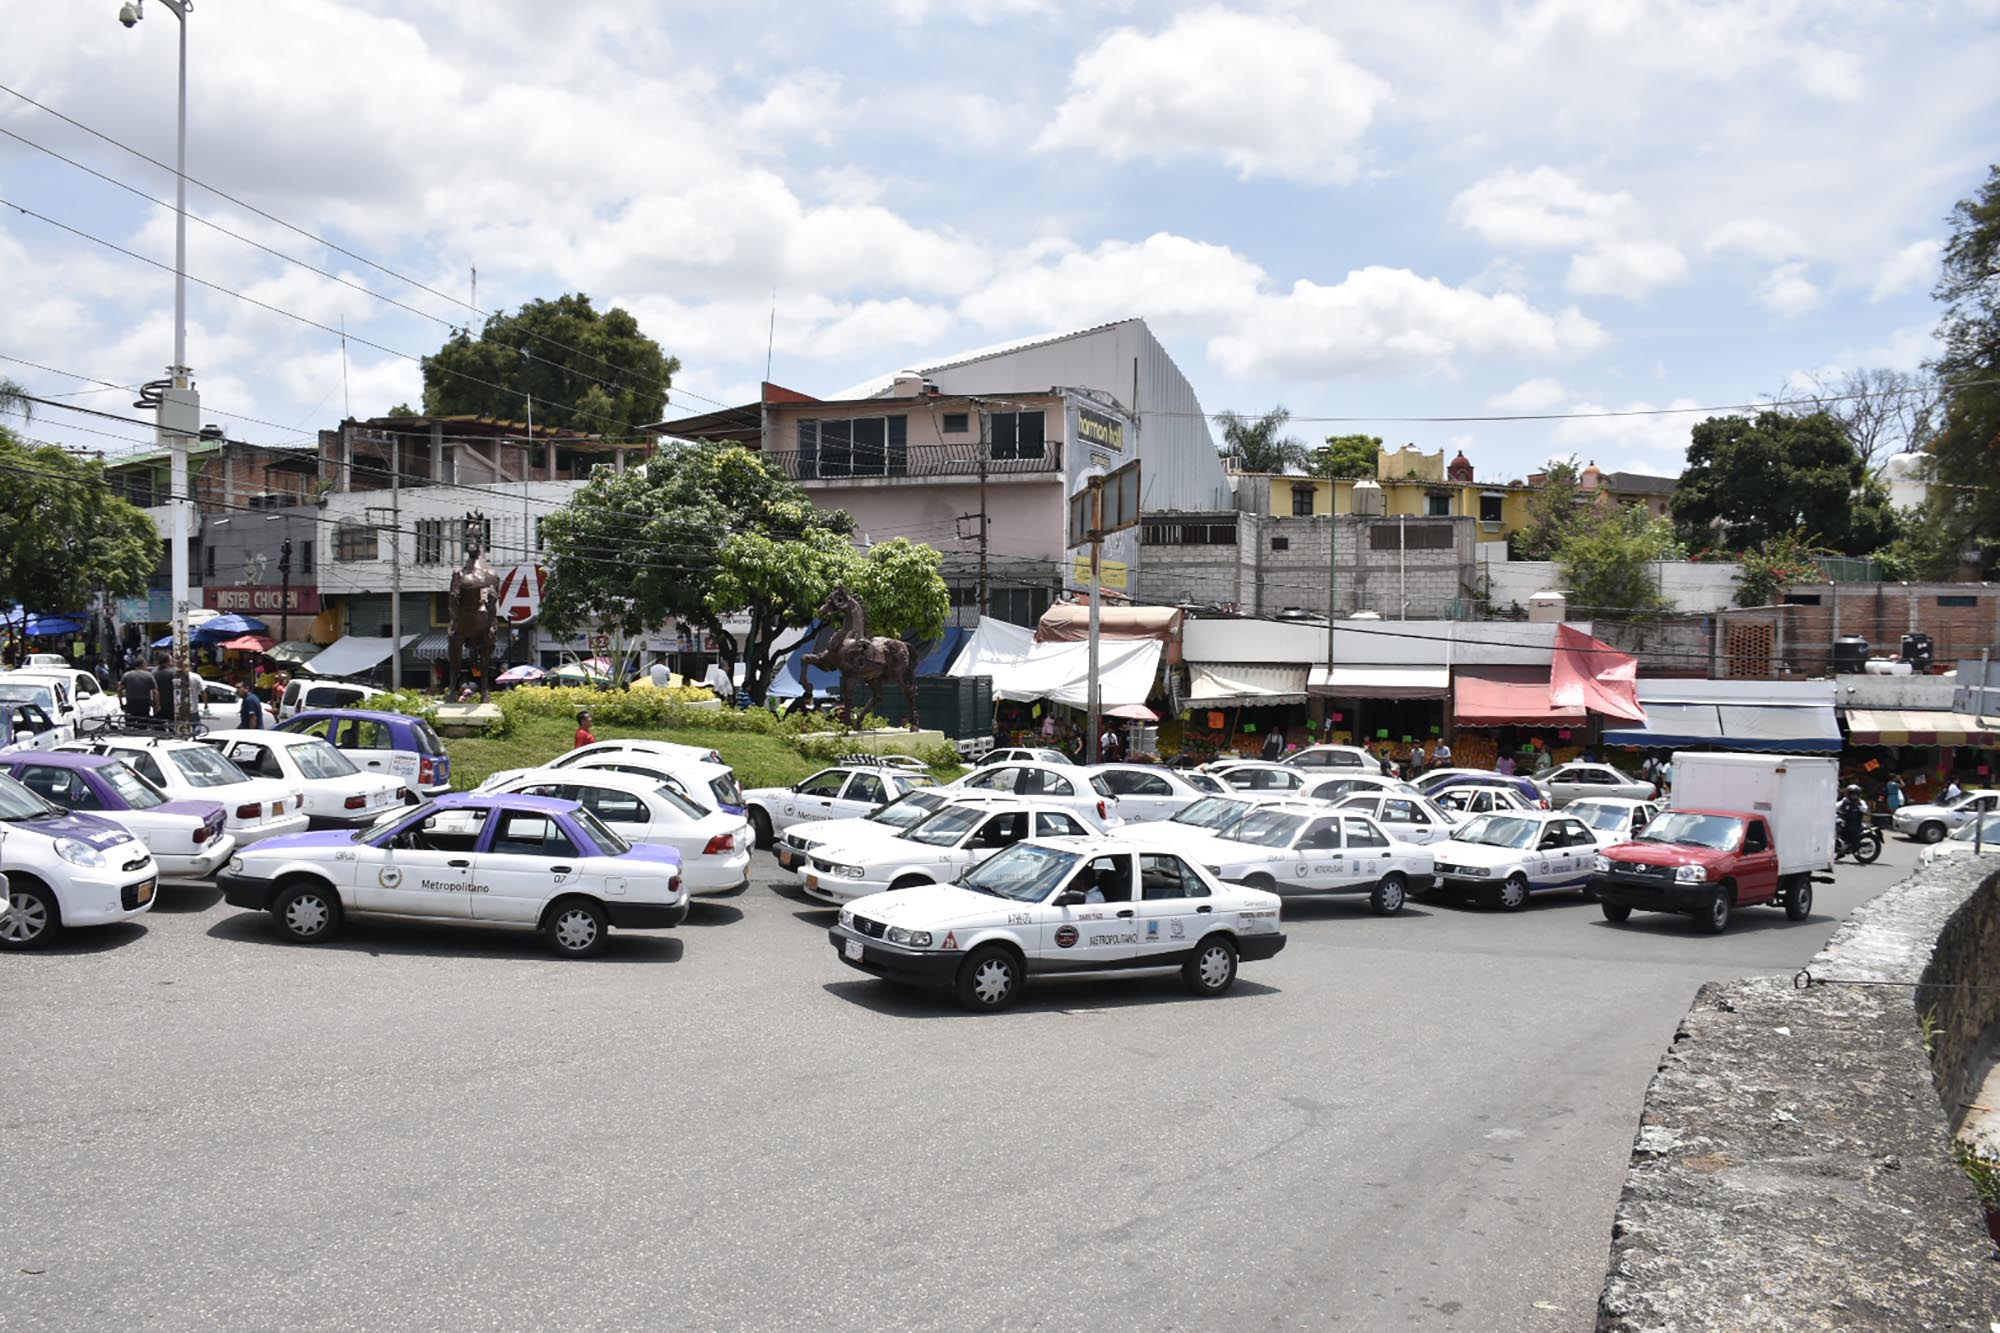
(870, 462)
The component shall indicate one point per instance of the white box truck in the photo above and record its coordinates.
(1739, 830)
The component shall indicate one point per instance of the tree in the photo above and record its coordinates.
(1257, 446)
(1783, 560)
(1967, 445)
(1750, 478)
(584, 370)
(1554, 510)
(1933, 541)
(1882, 412)
(706, 531)
(1346, 456)
(1604, 559)
(64, 537)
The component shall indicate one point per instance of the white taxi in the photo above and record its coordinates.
(1407, 816)
(336, 793)
(1465, 802)
(1614, 819)
(1061, 907)
(253, 808)
(1201, 820)
(714, 847)
(65, 870)
(937, 851)
(849, 791)
(1078, 789)
(517, 862)
(1148, 792)
(1297, 848)
(1507, 857)
(794, 848)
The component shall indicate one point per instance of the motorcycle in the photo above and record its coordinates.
(1864, 848)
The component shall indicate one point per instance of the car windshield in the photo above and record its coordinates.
(132, 789)
(946, 826)
(203, 767)
(725, 789)
(18, 803)
(609, 843)
(1024, 872)
(1500, 831)
(317, 759)
(1266, 828)
(1604, 818)
(910, 810)
(679, 802)
(21, 692)
(1985, 831)
(1717, 832)
(393, 816)
(1211, 812)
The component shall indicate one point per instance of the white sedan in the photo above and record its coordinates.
(93, 705)
(1465, 802)
(1410, 817)
(794, 848)
(336, 793)
(936, 851)
(1061, 907)
(1508, 857)
(1203, 819)
(1260, 775)
(1981, 837)
(1614, 819)
(1928, 822)
(1078, 789)
(1580, 782)
(849, 791)
(1350, 758)
(1344, 785)
(714, 847)
(1148, 792)
(702, 776)
(45, 694)
(253, 808)
(1299, 848)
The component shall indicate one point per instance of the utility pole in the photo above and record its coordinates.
(285, 584)
(984, 523)
(1095, 696)
(395, 561)
(1332, 563)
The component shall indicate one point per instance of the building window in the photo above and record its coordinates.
(1490, 508)
(538, 535)
(1302, 501)
(854, 447)
(1187, 534)
(1281, 543)
(1017, 435)
(208, 563)
(956, 423)
(1437, 504)
(306, 555)
(430, 541)
(1801, 599)
(353, 541)
(1958, 601)
(1410, 537)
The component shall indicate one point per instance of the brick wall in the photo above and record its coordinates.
(1883, 612)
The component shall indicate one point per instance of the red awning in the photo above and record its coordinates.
(1596, 676)
(250, 643)
(1503, 696)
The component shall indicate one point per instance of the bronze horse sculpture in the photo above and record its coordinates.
(475, 596)
(854, 655)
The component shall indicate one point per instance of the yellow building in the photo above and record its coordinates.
(1413, 483)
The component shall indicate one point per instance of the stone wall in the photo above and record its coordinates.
(1792, 1168)
(1960, 998)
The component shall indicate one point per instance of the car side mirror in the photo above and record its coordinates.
(1070, 898)
(1549, 844)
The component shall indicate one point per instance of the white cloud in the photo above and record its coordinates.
(1787, 290)
(1625, 268)
(1913, 266)
(804, 105)
(1759, 238)
(1536, 395)
(1540, 209)
(1267, 95)
(1165, 278)
(1647, 431)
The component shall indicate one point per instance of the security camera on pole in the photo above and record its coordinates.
(1108, 503)
(179, 404)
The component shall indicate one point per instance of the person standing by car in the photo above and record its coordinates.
(249, 712)
(584, 736)
(164, 681)
(137, 690)
(1416, 759)
(1274, 745)
(1441, 754)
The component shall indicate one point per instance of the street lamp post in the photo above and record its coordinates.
(129, 14)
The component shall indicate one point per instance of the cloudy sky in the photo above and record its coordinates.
(1425, 208)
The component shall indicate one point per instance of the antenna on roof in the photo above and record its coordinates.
(771, 335)
(346, 405)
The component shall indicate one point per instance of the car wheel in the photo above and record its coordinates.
(1615, 912)
(1714, 918)
(989, 979)
(1798, 901)
(760, 826)
(1514, 893)
(31, 918)
(911, 882)
(1211, 968)
(575, 927)
(1262, 883)
(1389, 895)
(307, 913)
(1931, 832)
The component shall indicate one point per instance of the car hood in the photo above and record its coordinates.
(1660, 854)
(933, 906)
(90, 829)
(828, 832)
(883, 854)
(1474, 853)
(288, 843)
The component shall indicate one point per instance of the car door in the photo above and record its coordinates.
(91, 700)
(371, 744)
(993, 780)
(423, 867)
(1369, 854)
(1101, 931)
(1175, 908)
(1409, 821)
(528, 858)
(996, 833)
(1318, 857)
(863, 795)
(1147, 796)
(1058, 824)
(812, 799)
(1756, 866)
(256, 759)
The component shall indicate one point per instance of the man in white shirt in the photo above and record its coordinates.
(717, 680)
(658, 673)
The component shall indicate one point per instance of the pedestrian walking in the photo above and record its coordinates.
(249, 711)
(1892, 795)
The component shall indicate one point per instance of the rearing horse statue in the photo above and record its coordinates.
(853, 654)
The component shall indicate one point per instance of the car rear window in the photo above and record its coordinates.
(427, 739)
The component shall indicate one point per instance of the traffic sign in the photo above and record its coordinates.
(521, 593)
(600, 643)
(1105, 505)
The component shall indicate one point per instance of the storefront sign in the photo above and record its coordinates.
(154, 608)
(1100, 431)
(273, 598)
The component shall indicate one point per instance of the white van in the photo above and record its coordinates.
(303, 694)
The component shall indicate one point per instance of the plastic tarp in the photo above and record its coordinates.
(1593, 675)
(354, 654)
(1022, 669)
(1670, 725)
(1888, 726)
(1380, 682)
(1501, 696)
(1785, 730)
(788, 683)
(1070, 622)
(1235, 685)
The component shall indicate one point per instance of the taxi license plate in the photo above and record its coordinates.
(785, 860)
(812, 881)
(854, 950)
(146, 891)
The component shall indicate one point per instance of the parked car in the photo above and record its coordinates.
(402, 747)
(1930, 821)
(301, 694)
(1061, 906)
(187, 838)
(702, 776)
(848, 791)
(1023, 754)
(1980, 836)
(1259, 775)
(1465, 802)
(91, 704)
(1331, 789)
(27, 727)
(512, 861)
(1431, 784)
(792, 846)
(1294, 848)
(219, 707)
(714, 847)
(1147, 792)
(1200, 820)
(1740, 829)
(47, 697)
(938, 850)
(1576, 782)
(1065, 784)
(60, 870)
(1504, 858)
(254, 808)
(337, 794)
(1614, 819)
(46, 660)
(1335, 756)
(1410, 818)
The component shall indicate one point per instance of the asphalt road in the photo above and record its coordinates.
(1419, 1122)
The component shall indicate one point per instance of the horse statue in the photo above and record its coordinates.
(475, 596)
(854, 655)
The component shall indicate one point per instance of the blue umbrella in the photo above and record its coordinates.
(54, 625)
(217, 628)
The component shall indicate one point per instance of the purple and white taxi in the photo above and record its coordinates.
(512, 861)
(185, 837)
(59, 870)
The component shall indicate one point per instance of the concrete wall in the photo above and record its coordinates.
(1792, 1166)
(1280, 563)
(1686, 586)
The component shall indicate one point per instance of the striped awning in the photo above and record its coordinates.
(431, 646)
(1242, 685)
(1893, 726)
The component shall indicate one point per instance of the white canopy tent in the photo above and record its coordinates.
(355, 654)
(1058, 672)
